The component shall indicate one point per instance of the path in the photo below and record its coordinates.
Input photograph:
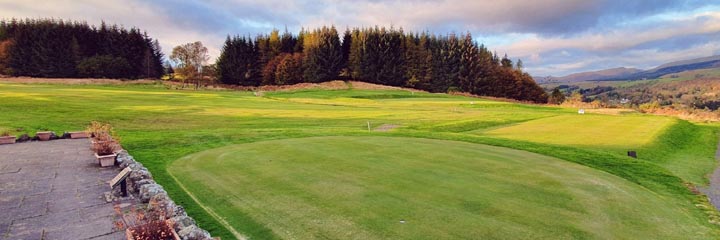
(713, 190)
(53, 190)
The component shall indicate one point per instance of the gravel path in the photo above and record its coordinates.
(713, 190)
(53, 190)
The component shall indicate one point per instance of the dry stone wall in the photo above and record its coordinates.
(140, 185)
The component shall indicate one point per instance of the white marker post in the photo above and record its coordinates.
(368, 125)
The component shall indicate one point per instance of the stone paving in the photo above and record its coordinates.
(54, 190)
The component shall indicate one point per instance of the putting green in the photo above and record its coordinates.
(411, 188)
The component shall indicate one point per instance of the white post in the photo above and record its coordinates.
(368, 125)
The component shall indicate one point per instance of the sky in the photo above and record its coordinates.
(552, 37)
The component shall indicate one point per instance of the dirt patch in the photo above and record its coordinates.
(372, 86)
(386, 127)
(332, 85)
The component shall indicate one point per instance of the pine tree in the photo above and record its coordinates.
(323, 55)
(346, 45)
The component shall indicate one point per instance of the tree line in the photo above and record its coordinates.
(435, 63)
(377, 55)
(66, 49)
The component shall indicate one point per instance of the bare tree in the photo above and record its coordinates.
(190, 59)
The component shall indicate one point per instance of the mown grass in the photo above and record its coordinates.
(160, 126)
(362, 187)
(613, 132)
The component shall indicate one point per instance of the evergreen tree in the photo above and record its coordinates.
(346, 45)
(323, 55)
(56, 48)
(287, 42)
(237, 63)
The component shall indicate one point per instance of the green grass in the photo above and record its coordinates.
(159, 126)
(612, 132)
(361, 187)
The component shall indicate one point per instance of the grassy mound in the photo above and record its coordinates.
(363, 187)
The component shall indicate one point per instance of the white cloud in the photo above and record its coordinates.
(531, 30)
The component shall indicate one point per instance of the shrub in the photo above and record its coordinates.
(290, 69)
(97, 129)
(149, 224)
(103, 66)
(105, 145)
(105, 141)
(157, 230)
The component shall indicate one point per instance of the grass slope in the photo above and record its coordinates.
(160, 125)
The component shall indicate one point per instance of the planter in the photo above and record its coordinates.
(80, 134)
(174, 236)
(44, 136)
(106, 160)
(7, 140)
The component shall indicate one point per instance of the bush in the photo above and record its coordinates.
(104, 66)
(290, 69)
(105, 142)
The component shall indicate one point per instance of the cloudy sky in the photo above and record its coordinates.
(552, 37)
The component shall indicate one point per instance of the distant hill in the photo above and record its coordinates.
(622, 73)
(596, 75)
(676, 67)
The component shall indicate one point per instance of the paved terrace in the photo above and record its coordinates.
(54, 190)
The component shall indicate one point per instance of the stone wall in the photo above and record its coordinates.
(140, 185)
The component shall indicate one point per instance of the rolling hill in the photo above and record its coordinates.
(623, 73)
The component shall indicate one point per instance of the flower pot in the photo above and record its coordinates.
(7, 139)
(173, 235)
(106, 160)
(80, 134)
(44, 136)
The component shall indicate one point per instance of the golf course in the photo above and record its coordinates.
(380, 163)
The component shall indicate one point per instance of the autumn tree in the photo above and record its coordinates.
(190, 58)
(556, 97)
(290, 69)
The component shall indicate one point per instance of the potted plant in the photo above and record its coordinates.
(96, 129)
(155, 230)
(78, 134)
(44, 136)
(105, 149)
(6, 138)
(150, 223)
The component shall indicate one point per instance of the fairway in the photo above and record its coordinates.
(362, 187)
(597, 131)
(302, 164)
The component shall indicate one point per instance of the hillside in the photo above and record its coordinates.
(597, 75)
(623, 73)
